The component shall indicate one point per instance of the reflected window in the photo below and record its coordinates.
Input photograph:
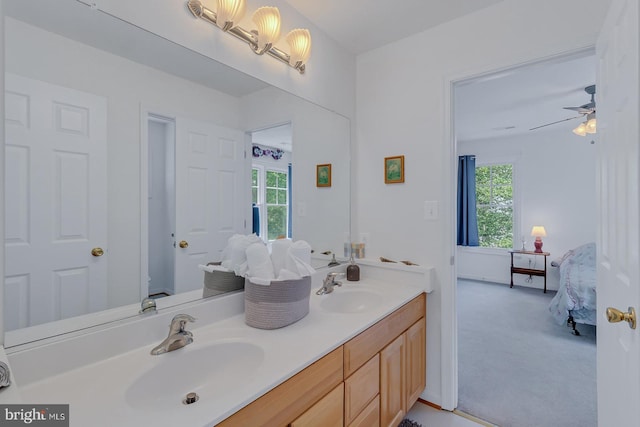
(270, 189)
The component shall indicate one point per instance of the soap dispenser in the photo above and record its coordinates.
(353, 271)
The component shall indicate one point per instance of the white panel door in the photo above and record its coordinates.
(55, 206)
(618, 361)
(212, 196)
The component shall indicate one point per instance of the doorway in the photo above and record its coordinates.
(161, 205)
(540, 161)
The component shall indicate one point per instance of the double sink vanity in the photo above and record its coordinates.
(358, 355)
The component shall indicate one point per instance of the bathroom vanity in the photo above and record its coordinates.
(358, 355)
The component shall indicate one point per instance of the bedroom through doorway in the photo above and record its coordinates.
(532, 166)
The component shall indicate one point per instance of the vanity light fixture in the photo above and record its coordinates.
(262, 40)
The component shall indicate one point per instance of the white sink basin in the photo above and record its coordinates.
(207, 371)
(351, 300)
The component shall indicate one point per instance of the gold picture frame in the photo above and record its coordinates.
(394, 170)
(323, 175)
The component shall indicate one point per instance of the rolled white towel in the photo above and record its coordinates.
(299, 259)
(279, 254)
(259, 262)
(234, 256)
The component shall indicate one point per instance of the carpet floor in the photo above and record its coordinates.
(516, 366)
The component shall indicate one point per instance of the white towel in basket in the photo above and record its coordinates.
(260, 266)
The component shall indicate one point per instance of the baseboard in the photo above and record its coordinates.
(483, 279)
(433, 405)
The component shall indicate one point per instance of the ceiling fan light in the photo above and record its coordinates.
(267, 19)
(591, 125)
(229, 13)
(581, 130)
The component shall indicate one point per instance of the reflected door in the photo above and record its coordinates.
(212, 196)
(56, 202)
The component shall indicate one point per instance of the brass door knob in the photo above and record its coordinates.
(97, 252)
(614, 316)
(183, 244)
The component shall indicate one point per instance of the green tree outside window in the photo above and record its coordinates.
(494, 204)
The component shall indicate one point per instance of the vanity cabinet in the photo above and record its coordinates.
(328, 411)
(372, 380)
(402, 374)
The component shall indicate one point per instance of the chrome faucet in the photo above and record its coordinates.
(329, 283)
(178, 336)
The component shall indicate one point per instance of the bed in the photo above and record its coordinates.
(575, 301)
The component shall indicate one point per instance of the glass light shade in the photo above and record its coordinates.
(229, 12)
(300, 43)
(591, 126)
(538, 231)
(267, 19)
(581, 130)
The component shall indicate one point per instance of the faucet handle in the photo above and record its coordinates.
(182, 320)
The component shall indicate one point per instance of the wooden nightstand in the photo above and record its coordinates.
(530, 271)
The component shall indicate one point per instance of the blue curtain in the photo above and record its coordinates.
(467, 213)
(290, 204)
(256, 219)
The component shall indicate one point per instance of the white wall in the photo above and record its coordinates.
(42, 55)
(555, 181)
(403, 107)
(329, 79)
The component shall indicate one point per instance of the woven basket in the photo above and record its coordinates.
(220, 282)
(277, 305)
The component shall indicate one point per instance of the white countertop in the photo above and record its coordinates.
(97, 392)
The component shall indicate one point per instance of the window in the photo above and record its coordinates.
(494, 203)
(270, 193)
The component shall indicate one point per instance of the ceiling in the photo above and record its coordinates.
(362, 25)
(512, 102)
(502, 104)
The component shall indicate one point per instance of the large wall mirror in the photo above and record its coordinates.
(129, 162)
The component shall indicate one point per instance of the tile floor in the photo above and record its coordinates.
(431, 417)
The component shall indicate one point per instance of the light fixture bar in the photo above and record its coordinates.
(198, 10)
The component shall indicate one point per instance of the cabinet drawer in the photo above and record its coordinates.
(362, 348)
(326, 413)
(361, 388)
(370, 417)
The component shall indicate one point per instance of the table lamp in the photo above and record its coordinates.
(538, 231)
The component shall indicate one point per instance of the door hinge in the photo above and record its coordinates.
(452, 260)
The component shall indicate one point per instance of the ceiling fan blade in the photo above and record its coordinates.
(583, 109)
(553, 123)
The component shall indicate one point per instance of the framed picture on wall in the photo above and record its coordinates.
(394, 170)
(323, 175)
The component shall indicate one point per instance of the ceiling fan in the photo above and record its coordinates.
(588, 110)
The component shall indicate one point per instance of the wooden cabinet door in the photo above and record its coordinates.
(393, 383)
(415, 361)
(327, 412)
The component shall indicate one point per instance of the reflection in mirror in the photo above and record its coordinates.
(128, 163)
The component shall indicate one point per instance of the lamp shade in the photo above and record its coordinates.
(581, 130)
(267, 19)
(591, 126)
(538, 231)
(229, 12)
(300, 43)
